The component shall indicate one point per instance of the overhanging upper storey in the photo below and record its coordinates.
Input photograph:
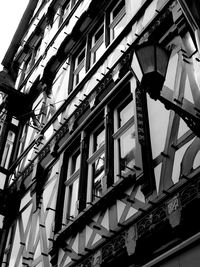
(80, 62)
(98, 167)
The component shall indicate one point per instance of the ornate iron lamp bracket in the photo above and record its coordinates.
(192, 122)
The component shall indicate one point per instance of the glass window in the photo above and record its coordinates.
(126, 149)
(125, 114)
(75, 162)
(72, 187)
(59, 92)
(8, 149)
(98, 173)
(96, 163)
(117, 19)
(79, 67)
(74, 2)
(72, 199)
(97, 44)
(64, 11)
(29, 62)
(99, 138)
(27, 66)
(124, 138)
(20, 76)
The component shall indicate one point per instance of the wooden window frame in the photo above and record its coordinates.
(95, 45)
(71, 179)
(78, 66)
(119, 131)
(64, 11)
(115, 20)
(93, 156)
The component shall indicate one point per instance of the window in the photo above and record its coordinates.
(124, 138)
(74, 2)
(117, 19)
(104, 32)
(72, 187)
(79, 67)
(97, 44)
(96, 163)
(106, 152)
(8, 149)
(27, 65)
(34, 55)
(64, 11)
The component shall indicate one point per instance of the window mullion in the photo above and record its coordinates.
(106, 28)
(109, 164)
(96, 154)
(87, 54)
(124, 128)
(70, 87)
(82, 194)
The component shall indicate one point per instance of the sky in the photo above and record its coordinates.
(11, 12)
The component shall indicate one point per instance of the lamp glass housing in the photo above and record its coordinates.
(146, 58)
(162, 58)
(153, 61)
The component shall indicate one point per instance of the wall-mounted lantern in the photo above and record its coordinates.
(153, 62)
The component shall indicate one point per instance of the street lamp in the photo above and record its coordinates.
(149, 66)
(153, 61)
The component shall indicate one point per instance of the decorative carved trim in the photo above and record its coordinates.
(145, 225)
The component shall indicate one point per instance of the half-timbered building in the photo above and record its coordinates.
(95, 170)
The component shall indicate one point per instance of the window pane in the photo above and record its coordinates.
(74, 2)
(8, 149)
(117, 19)
(64, 11)
(118, 27)
(98, 172)
(127, 150)
(98, 53)
(75, 162)
(118, 8)
(97, 45)
(98, 35)
(125, 114)
(80, 57)
(80, 75)
(99, 138)
(73, 198)
(98, 165)
(79, 70)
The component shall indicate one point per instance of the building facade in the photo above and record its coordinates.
(93, 170)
